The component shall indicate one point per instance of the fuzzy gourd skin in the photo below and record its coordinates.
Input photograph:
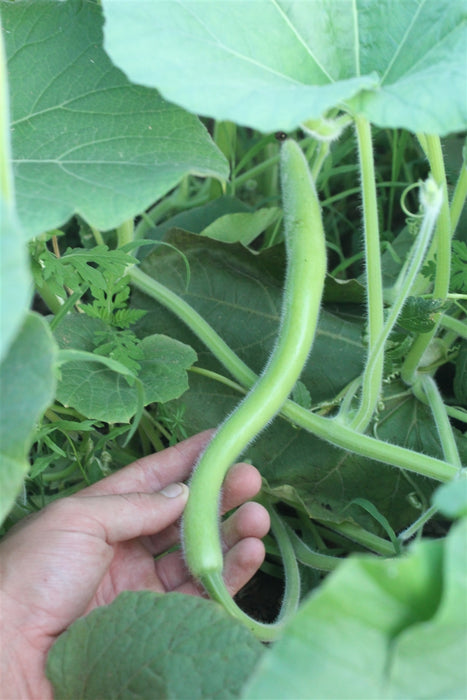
(306, 269)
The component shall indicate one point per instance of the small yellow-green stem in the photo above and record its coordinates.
(443, 231)
(125, 233)
(256, 170)
(215, 586)
(150, 429)
(209, 374)
(50, 299)
(321, 155)
(98, 237)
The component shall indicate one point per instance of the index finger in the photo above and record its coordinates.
(152, 473)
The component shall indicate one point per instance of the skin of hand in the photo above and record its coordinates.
(82, 551)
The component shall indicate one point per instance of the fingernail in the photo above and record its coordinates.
(173, 490)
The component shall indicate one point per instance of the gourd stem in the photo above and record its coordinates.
(267, 632)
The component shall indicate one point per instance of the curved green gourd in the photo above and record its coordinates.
(306, 268)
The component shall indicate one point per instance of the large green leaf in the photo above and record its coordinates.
(97, 392)
(239, 293)
(377, 629)
(272, 64)
(84, 139)
(146, 645)
(27, 385)
(15, 279)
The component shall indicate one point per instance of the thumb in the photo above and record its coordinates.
(120, 517)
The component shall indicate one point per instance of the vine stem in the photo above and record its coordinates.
(442, 245)
(310, 557)
(441, 416)
(443, 425)
(459, 197)
(339, 435)
(215, 586)
(196, 323)
(373, 374)
(431, 196)
(454, 324)
(125, 233)
(6, 175)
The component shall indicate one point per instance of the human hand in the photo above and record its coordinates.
(81, 552)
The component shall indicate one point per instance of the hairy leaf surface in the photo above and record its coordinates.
(146, 645)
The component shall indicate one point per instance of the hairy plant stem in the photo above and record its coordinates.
(48, 297)
(376, 355)
(459, 197)
(215, 586)
(310, 557)
(125, 233)
(256, 170)
(6, 175)
(339, 435)
(417, 525)
(321, 155)
(150, 429)
(372, 375)
(98, 237)
(454, 324)
(443, 425)
(195, 323)
(209, 374)
(442, 248)
(367, 539)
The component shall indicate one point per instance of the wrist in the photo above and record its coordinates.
(22, 660)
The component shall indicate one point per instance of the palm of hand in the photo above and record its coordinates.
(83, 551)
